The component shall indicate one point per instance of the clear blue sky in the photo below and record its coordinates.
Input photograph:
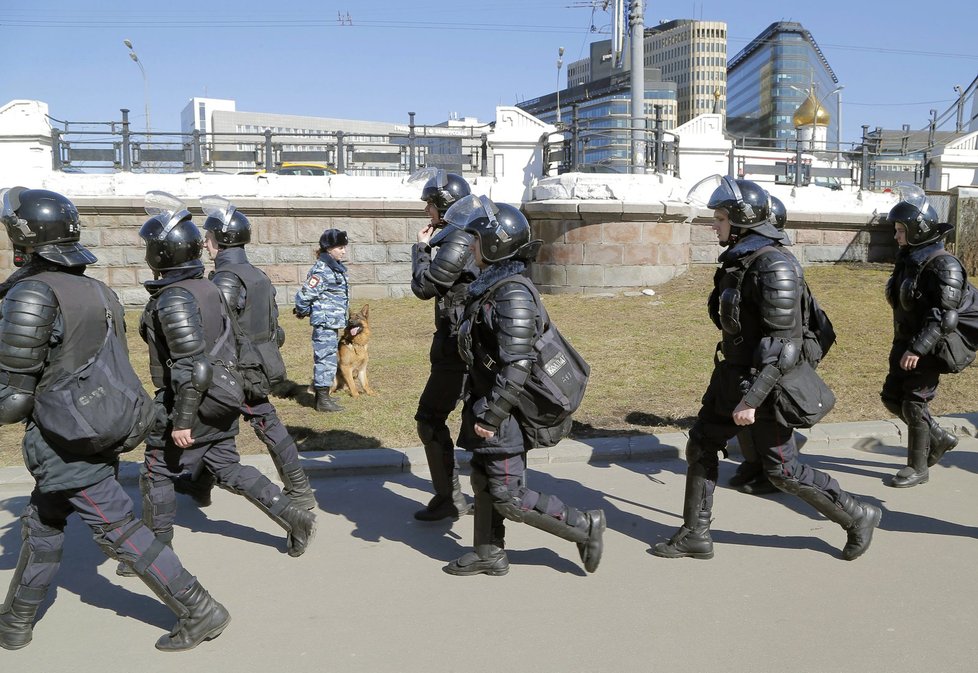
(897, 59)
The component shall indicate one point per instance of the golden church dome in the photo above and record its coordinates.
(810, 113)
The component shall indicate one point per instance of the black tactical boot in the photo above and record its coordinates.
(198, 488)
(486, 559)
(301, 527)
(446, 506)
(746, 473)
(586, 529)
(17, 624)
(941, 441)
(200, 618)
(760, 485)
(692, 540)
(295, 484)
(865, 519)
(592, 549)
(918, 446)
(689, 542)
(324, 402)
(857, 518)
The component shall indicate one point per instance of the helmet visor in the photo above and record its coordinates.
(913, 195)
(219, 208)
(167, 208)
(701, 193)
(470, 208)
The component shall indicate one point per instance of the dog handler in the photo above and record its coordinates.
(325, 299)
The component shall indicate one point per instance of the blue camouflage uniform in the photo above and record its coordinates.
(325, 298)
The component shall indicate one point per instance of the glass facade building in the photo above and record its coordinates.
(760, 97)
(604, 114)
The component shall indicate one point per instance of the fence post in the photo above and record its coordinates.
(575, 138)
(658, 138)
(484, 169)
(126, 147)
(412, 163)
(797, 163)
(864, 162)
(197, 158)
(269, 153)
(56, 150)
(340, 154)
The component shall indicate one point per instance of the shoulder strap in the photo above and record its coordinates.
(747, 261)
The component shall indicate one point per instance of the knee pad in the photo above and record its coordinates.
(433, 431)
(914, 413)
(783, 482)
(507, 503)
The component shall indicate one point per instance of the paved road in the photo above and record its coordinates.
(370, 594)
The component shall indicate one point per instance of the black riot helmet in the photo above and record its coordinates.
(47, 222)
(779, 213)
(443, 189)
(502, 230)
(230, 226)
(917, 215)
(746, 202)
(172, 239)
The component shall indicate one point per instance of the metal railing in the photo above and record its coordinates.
(118, 147)
(573, 147)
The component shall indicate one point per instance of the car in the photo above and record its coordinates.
(296, 168)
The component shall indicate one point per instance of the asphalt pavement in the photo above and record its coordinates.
(370, 594)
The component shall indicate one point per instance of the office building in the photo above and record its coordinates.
(771, 78)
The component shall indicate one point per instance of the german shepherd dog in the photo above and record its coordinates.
(352, 356)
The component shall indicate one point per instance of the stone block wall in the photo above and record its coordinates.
(590, 247)
(285, 237)
(597, 247)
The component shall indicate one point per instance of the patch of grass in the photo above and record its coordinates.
(651, 359)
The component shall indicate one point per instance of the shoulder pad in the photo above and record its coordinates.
(180, 322)
(230, 285)
(516, 312)
(29, 313)
(949, 270)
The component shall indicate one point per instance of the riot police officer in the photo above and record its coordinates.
(927, 291)
(186, 328)
(54, 320)
(441, 269)
(249, 293)
(501, 326)
(756, 302)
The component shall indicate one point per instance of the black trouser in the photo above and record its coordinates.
(273, 433)
(917, 386)
(774, 443)
(107, 510)
(163, 464)
(499, 482)
(440, 396)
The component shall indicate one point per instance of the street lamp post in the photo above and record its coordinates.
(560, 63)
(142, 70)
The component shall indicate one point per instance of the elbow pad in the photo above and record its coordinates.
(16, 407)
(730, 311)
(188, 399)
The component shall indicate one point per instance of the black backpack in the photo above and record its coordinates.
(258, 363)
(102, 407)
(557, 380)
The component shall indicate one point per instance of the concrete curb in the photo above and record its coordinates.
(864, 435)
